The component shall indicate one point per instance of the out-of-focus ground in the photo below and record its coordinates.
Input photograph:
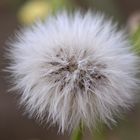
(15, 126)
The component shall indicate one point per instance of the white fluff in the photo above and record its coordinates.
(75, 68)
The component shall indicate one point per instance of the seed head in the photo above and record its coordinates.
(74, 68)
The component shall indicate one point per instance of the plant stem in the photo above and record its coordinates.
(100, 133)
(77, 133)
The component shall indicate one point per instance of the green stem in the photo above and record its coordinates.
(77, 133)
(100, 133)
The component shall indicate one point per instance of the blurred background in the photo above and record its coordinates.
(14, 13)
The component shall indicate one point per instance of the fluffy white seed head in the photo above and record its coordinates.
(74, 68)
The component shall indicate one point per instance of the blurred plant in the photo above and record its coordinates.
(134, 30)
(32, 10)
(136, 40)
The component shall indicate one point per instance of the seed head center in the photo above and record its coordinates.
(72, 66)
